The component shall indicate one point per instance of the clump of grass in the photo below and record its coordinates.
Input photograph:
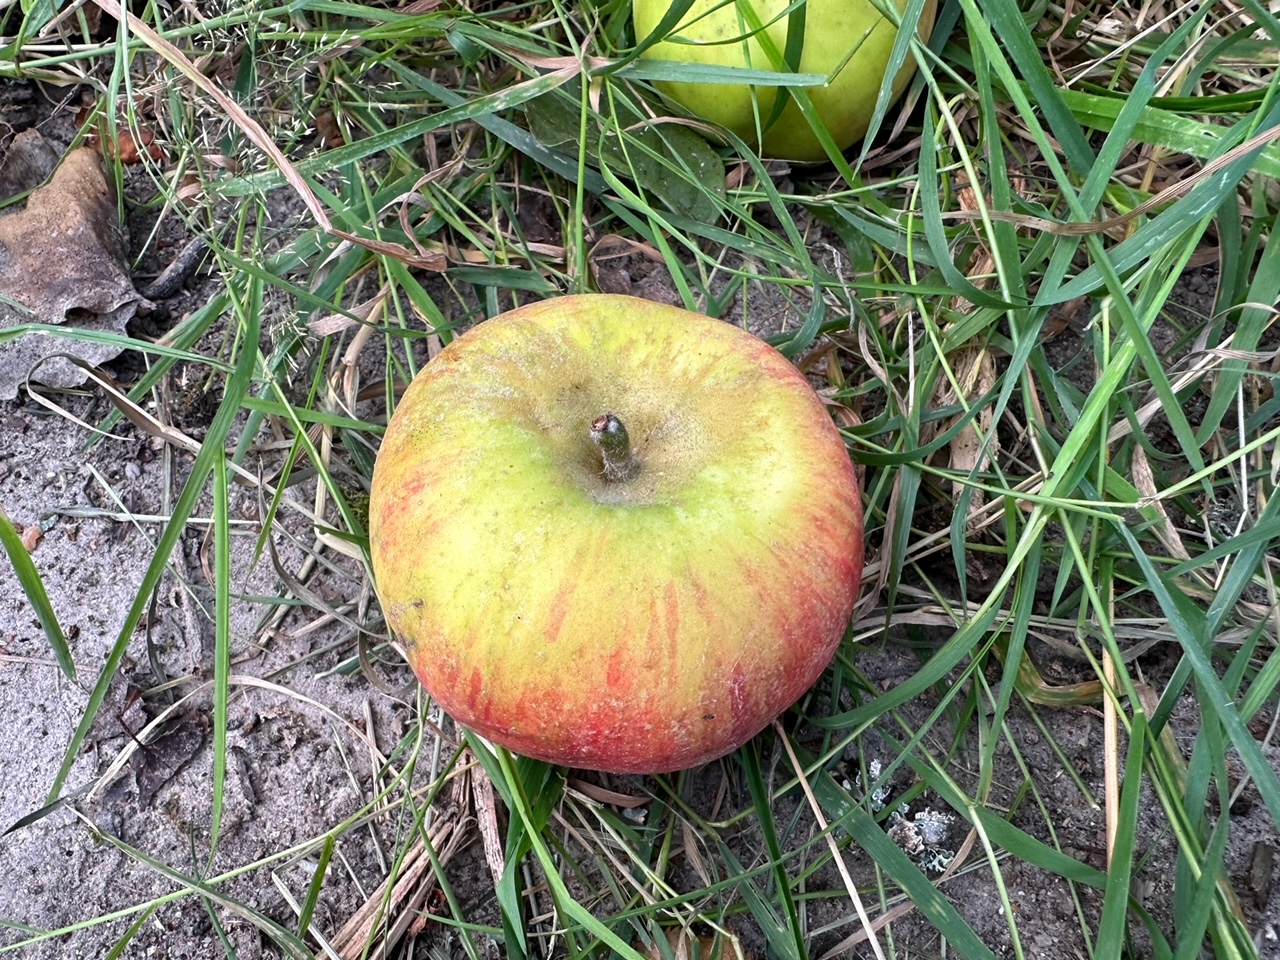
(1056, 456)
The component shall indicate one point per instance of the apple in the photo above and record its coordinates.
(849, 36)
(614, 534)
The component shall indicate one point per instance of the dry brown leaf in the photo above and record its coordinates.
(604, 795)
(62, 262)
(1144, 479)
(689, 840)
(126, 145)
(687, 945)
(328, 133)
(976, 374)
(31, 537)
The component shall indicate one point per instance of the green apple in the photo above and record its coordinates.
(614, 534)
(849, 36)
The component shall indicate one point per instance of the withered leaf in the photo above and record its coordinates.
(62, 262)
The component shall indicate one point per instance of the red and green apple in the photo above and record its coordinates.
(614, 534)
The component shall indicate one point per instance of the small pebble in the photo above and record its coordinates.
(132, 470)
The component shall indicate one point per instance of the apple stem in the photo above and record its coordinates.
(610, 436)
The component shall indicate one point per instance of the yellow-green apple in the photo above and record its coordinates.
(848, 38)
(614, 534)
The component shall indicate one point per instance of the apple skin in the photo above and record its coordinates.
(833, 28)
(636, 626)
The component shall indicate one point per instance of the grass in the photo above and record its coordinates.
(1049, 438)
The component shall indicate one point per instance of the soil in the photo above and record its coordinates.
(306, 742)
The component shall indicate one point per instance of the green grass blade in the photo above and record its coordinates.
(1111, 931)
(1162, 128)
(33, 586)
(314, 888)
(1188, 623)
(120, 946)
(782, 929)
(210, 452)
(335, 159)
(221, 638)
(1003, 19)
(1196, 207)
(290, 945)
(1252, 322)
(573, 910)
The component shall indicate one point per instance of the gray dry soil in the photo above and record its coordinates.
(299, 766)
(298, 770)
(295, 769)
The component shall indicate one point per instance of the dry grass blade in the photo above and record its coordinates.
(692, 853)
(974, 375)
(156, 725)
(975, 372)
(288, 897)
(250, 127)
(613, 798)
(895, 913)
(134, 413)
(1144, 481)
(486, 803)
(1169, 193)
(590, 838)
(382, 921)
(836, 855)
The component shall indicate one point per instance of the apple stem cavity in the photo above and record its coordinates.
(609, 434)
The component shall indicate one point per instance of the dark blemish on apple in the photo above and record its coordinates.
(708, 716)
(404, 608)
